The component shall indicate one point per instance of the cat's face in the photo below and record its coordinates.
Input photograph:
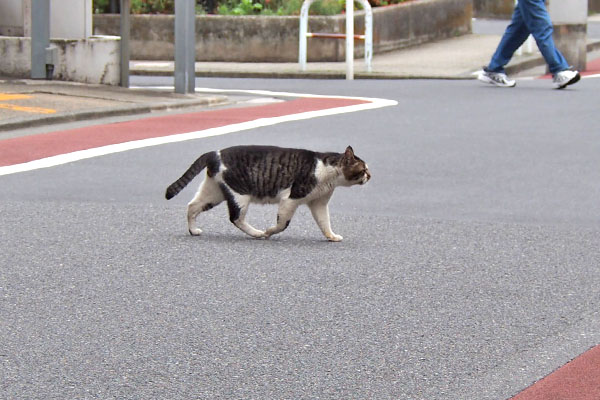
(355, 170)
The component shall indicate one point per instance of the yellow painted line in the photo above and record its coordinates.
(11, 96)
(36, 110)
(17, 96)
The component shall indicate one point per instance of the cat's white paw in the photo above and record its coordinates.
(269, 232)
(195, 231)
(332, 237)
(259, 235)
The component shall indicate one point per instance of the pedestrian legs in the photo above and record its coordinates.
(515, 35)
(536, 18)
(529, 17)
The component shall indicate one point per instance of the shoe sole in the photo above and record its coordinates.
(573, 80)
(486, 79)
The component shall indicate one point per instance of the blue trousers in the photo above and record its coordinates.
(529, 17)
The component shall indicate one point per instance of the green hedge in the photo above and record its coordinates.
(237, 7)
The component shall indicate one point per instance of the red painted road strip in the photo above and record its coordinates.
(591, 68)
(35, 147)
(577, 380)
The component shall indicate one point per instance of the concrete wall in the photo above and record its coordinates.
(501, 9)
(568, 12)
(418, 22)
(81, 58)
(69, 19)
(94, 60)
(12, 16)
(570, 30)
(504, 8)
(275, 39)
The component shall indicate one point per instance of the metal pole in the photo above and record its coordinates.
(40, 37)
(125, 33)
(368, 34)
(113, 6)
(303, 31)
(185, 46)
(349, 39)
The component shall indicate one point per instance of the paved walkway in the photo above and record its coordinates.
(455, 58)
(428, 61)
(26, 103)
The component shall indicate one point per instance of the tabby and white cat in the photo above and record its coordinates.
(270, 175)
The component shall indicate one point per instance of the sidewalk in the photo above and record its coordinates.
(26, 103)
(455, 58)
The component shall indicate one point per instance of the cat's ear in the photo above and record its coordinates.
(349, 154)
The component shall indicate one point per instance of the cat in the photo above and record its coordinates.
(242, 175)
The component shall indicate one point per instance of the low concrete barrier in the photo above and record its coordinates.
(93, 60)
(275, 39)
(502, 9)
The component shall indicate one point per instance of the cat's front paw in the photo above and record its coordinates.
(261, 235)
(332, 237)
(270, 232)
(195, 231)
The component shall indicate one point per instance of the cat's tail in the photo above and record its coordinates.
(187, 177)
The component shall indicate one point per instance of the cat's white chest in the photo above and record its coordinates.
(326, 173)
(328, 177)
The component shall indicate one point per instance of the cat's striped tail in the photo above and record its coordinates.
(187, 177)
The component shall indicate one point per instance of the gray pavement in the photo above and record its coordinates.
(468, 268)
(45, 102)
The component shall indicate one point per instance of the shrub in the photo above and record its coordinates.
(152, 6)
(239, 7)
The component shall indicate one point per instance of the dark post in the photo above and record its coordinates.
(125, 31)
(40, 37)
(114, 6)
(185, 46)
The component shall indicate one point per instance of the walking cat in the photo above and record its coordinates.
(270, 175)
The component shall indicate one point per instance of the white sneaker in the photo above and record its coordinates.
(496, 78)
(564, 78)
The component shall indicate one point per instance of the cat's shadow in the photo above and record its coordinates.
(222, 238)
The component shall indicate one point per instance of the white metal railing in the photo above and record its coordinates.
(349, 35)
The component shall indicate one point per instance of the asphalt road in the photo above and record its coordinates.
(468, 270)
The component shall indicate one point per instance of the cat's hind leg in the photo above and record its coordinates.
(208, 196)
(238, 207)
(287, 208)
(320, 212)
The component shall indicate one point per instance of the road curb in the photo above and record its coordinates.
(298, 75)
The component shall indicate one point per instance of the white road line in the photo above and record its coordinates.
(61, 159)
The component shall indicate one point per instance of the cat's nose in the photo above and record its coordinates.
(366, 178)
